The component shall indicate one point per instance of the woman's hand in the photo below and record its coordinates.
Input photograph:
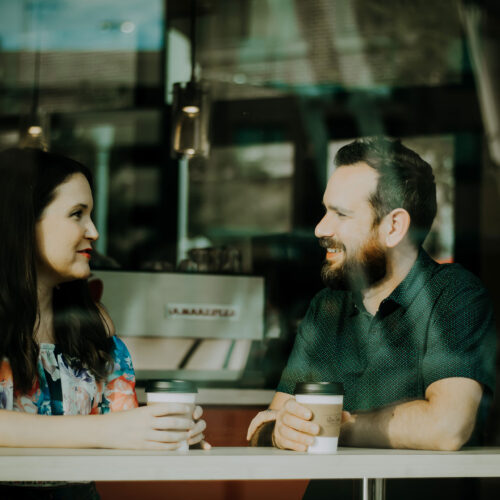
(196, 433)
(161, 426)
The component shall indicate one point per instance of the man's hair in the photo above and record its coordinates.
(29, 179)
(405, 181)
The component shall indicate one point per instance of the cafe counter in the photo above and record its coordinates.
(32, 464)
(241, 463)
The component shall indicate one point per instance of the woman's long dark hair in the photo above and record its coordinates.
(28, 180)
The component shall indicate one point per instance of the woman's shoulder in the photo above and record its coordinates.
(6, 378)
(122, 360)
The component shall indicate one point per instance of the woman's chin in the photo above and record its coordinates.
(77, 274)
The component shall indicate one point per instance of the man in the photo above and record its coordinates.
(412, 341)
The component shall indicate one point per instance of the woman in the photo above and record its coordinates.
(58, 352)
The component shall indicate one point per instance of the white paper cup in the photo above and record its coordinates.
(173, 391)
(325, 400)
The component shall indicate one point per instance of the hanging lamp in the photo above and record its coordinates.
(34, 127)
(191, 107)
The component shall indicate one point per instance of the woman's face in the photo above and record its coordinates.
(65, 232)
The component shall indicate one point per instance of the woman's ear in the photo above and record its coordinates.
(395, 226)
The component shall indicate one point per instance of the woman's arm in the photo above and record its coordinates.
(156, 427)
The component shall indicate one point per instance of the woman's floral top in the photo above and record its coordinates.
(64, 388)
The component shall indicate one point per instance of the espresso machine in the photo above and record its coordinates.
(194, 326)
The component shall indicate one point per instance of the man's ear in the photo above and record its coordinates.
(395, 226)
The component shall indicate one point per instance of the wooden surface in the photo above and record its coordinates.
(228, 427)
(202, 490)
(32, 464)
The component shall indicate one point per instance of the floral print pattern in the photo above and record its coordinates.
(63, 387)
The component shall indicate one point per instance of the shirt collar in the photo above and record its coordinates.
(357, 305)
(419, 274)
(404, 294)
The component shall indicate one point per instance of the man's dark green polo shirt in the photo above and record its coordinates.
(437, 323)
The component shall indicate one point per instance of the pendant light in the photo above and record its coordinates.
(34, 127)
(191, 107)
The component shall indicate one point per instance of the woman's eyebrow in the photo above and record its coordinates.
(80, 205)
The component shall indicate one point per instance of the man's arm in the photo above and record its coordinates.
(444, 420)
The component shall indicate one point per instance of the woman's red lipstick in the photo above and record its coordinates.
(86, 252)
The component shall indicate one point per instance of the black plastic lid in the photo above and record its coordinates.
(320, 388)
(171, 386)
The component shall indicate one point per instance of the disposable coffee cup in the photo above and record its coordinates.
(325, 400)
(173, 391)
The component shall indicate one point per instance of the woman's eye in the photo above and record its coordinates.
(77, 214)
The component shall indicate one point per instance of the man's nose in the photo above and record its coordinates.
(325, 227)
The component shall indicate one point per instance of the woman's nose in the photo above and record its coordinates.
(91, 232)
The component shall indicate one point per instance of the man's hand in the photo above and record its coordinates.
(293, 431)
(254, 434)
(292, 427)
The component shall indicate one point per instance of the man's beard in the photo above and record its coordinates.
(365, 268)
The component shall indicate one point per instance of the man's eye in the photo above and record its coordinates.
(340, 214)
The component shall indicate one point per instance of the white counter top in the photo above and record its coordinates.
(32, 464)
(226, 397)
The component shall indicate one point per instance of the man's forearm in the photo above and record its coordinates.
(368, 429)
(410, 425)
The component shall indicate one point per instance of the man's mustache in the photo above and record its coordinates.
(326, 242)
